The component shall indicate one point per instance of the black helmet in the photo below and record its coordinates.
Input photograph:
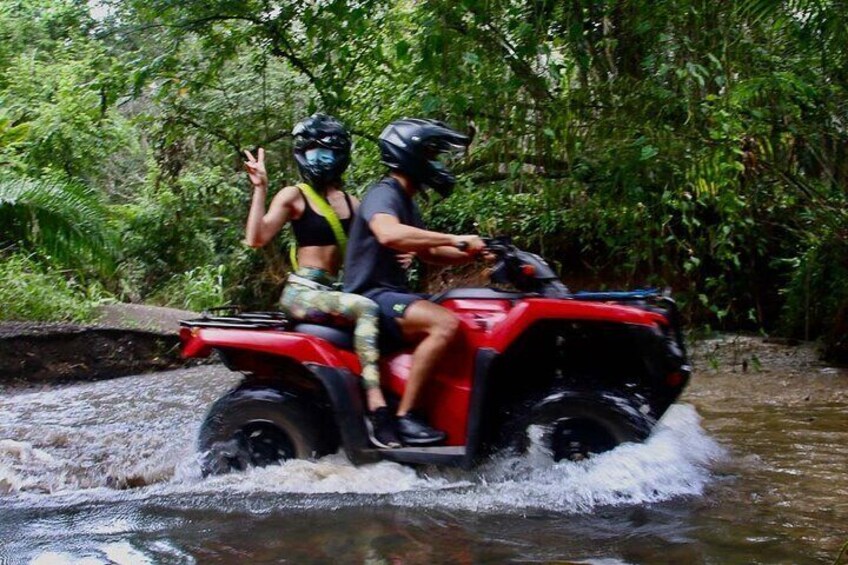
(321, 149)
(413, 146)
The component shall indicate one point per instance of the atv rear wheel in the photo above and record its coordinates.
(258, 427)
(573, 426)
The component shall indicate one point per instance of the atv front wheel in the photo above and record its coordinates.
(574, 426)
(258, 427)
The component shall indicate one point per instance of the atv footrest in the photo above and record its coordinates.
(440, 455)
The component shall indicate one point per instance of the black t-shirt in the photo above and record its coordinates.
(368, 264)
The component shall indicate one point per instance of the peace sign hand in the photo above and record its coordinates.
(255, 168)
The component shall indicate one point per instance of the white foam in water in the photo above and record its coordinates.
(73, 443)
(59, 558)
(675, 461)
(21, 464)
(331, 474)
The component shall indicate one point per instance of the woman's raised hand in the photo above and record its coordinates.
(255, 168)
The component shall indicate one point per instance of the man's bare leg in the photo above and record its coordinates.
(437, 326)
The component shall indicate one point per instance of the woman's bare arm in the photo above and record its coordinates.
(263, 225)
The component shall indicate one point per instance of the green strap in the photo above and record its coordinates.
(327, 211)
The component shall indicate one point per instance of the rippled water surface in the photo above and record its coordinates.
(750, 466)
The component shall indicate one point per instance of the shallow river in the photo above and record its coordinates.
(751, 466)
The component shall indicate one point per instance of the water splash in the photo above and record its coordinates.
(80, 443)
(18, 459)
(674, 462)
(333, 474)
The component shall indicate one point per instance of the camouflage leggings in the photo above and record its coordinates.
(321, 306)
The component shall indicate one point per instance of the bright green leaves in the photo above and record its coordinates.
(66, 220)
(30, 291)
(648, 152)
(692, 143)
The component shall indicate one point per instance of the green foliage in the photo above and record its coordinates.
(818, 289)
(180, 226)
(31, 291)
(59, 89)
(65, 219)
(694, 144)
(197, 290)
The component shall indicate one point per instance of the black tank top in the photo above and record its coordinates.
(312, 229)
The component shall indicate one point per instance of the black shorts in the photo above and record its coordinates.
(392, 305)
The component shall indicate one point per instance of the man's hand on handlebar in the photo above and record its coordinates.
(475, 246)
(470, 244)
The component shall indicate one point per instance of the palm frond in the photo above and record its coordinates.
(756, 10)
(67, 220)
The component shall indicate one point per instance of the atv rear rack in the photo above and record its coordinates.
(238, 319)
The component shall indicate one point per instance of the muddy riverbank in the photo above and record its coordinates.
(125, 339)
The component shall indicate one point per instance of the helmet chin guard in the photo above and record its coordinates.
(418, 149)
(321, 149)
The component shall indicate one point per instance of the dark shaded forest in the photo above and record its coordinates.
(695, 144)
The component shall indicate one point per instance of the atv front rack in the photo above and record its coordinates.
(234, 318)
(617, 295)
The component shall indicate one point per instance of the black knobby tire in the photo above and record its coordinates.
(578, 425)
(254, 426)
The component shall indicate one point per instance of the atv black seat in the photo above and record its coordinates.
(342, 338)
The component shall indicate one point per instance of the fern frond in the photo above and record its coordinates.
(67, 220)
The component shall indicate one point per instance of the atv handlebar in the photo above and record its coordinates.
(498, 245)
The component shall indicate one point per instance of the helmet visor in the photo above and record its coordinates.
(319, 156)
(329, 141)
(444, 156)
(332, 141)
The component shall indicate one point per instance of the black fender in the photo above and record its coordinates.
(633, 419)
(344, 391)
(336, 393)
(477, 416)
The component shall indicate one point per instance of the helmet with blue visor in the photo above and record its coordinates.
(321, 149)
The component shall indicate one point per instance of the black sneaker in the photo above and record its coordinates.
(382, 430)
(415, 432)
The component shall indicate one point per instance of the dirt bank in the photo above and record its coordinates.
(739, 353)
(126, 339)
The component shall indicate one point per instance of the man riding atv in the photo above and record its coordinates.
(389, 223)
(523, 362)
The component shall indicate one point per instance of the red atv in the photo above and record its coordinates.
(589, 370)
